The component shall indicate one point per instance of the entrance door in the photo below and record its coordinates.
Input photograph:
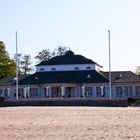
(56, 92)
(70, 92)
(45, 94)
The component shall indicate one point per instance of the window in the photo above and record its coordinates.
(137, 90)
(76, 68)
(88, 91)
(56, 92)
(101, 91)
(21, 92)
(42, 69)
(0, 91)
(119, 92)
(128, 91)
(98, 91)
(53, 69)
(88, 68)
(33, 92)
(6, 92)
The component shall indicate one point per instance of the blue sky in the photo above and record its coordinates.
(81, 25)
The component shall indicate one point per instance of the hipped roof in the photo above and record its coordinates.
(88, 76)
(122, 76)
(67, 60)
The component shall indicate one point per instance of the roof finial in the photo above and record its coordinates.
(69, 47)
(69, 53)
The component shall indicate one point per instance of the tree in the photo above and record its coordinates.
(137, 70)
(7, 65)
(44, 55)
(19, 62)
(25, 64)
(60, 50)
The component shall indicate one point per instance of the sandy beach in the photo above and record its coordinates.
(69, 123)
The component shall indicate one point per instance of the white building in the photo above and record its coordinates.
(72, 76)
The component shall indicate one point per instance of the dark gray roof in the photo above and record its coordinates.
(122, 76)
(88, 76)
(11, 80)
(68, 59)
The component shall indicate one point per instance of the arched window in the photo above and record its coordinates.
(53, 69)
(42, 69)
(76, 68)
(88, 68)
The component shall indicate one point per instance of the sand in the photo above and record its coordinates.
(69, 123)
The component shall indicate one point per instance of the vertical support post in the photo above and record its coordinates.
(133, 91)
(83, 91)
(47, 91)
(16, 68)
(62, 90)
(28, 91)
(102, 92)
(109, 64)
(25, 92)
(8, 92)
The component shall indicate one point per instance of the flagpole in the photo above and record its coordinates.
(109, 64)
(16, 68)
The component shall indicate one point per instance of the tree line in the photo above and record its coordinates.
(8, 65)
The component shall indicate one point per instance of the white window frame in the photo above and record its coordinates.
(21, 92)
(137, 89)
(119, 91)
(88, 91)
(128, 90)
(99, 91)
(88, 67)
(53, 69)
(33, 92)
(76, 68)
(42, 69)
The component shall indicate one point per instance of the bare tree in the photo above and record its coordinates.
(26, 64)
(137, 70)
(44, 55)
(60, 50)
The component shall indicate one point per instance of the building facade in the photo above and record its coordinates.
(72, 76)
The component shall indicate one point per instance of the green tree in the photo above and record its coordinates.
(7, 65)
(25, 64)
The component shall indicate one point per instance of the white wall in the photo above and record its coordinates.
(67, 67)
